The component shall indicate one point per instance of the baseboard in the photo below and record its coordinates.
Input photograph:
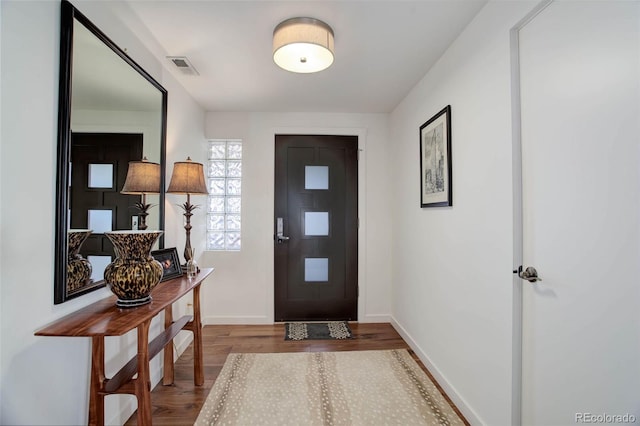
(448, 388)
(123, 415)
(182, 344)
(261, 320)
(372, 318)
(236, 320)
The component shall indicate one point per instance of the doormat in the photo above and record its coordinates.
(317, 330)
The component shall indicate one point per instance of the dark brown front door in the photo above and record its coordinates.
(316, 227)
(102, 199)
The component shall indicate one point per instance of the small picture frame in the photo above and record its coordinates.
(170, 262)
(435, 161)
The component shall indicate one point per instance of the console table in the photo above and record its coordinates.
(104, 318)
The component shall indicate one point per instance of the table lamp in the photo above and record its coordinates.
(188, 178)
(143, 177)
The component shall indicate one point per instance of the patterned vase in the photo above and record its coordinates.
(133, 273)
(78, 268)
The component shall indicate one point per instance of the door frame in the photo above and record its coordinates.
(361, 134)
(518, 231)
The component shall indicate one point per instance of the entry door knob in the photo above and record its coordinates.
(280, 237)
(530, 274)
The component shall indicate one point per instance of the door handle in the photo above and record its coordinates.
(529, 274)
(280, 237)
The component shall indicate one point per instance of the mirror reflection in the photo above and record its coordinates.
(115, 113)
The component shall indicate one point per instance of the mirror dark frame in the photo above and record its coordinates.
(69, 14)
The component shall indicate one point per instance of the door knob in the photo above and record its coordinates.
(530, 274)
(280, 237)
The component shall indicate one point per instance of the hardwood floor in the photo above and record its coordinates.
(180, 403)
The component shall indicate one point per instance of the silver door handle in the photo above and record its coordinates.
(529, 274)
(280, 238)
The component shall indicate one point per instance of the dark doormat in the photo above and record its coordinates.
(317, 330)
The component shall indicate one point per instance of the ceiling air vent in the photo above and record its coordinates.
(183, 64)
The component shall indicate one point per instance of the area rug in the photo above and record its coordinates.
(317, 330)
(325, 388)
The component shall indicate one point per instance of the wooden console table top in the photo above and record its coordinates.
(104, 318)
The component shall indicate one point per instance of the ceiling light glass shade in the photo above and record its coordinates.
(303, 45)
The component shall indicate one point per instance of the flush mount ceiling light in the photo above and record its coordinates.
(303, 45)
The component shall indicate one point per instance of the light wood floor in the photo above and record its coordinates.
(180, 403)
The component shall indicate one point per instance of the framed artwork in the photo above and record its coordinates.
(435, 161)
(170, 262)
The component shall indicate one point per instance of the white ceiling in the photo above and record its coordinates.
(382, 49)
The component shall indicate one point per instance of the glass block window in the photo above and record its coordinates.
(224, 175)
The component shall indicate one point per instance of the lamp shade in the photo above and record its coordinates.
(187, 178)
(143, 177)
(303, 45)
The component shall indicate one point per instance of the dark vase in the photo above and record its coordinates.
(134, 272)
(78, 268)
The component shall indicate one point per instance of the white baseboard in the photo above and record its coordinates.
(182, 344)
(261, 320)
(236, 320)
(448, 388)
(123, 415)
(371, 318)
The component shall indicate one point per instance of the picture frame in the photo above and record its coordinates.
(170, 262)
(436, 189)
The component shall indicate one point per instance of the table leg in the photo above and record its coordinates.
(167, 377)
(96, 399)
(143, 381)
(198, 365)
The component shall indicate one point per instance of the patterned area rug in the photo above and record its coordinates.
(317, 330)
(325, 388)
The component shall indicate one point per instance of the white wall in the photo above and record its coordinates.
(54, 371)
(243, 288)
(185, 137)
(452, 279)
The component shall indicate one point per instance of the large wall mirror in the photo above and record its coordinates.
(111, 112)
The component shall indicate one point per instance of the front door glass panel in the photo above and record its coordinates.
(316, 177)
(316, 269)
(100, 221)
(316, 224)
(100, 176)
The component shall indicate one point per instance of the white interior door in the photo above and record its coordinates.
(580, 100)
